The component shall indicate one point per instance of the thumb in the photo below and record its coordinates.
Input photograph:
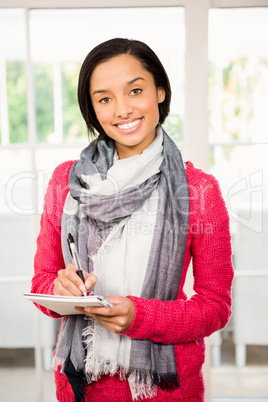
(90, 281)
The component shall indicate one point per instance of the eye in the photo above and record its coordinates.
(135, 91)
(105, 100)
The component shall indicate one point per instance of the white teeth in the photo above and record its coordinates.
(129, 125)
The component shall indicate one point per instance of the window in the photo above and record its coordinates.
(41, 51)
(238, 91)
(13, 104)
(238, 135)
(59, 51)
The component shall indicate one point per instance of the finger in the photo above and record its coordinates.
(80, 309)
(96, 317)
(116, 319)
(115, 324)
(116, 299)
(59, 290)
(118, 316)
(71, 281)
(74, 284)
(121, 307)
(98, 313)
(90, 281)
(107, 323)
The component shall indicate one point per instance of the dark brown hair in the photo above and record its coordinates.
(106, 51)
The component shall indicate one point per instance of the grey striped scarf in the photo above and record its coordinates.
(91, 219)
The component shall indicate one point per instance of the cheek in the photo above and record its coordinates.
(150, 105)
(154, 107)
(103, 115)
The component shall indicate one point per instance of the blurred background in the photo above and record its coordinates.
(216, 55)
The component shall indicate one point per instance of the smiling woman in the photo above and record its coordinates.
(131, 178)
(116, 84)
(128, 109)
(237, 126)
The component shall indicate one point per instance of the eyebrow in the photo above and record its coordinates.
(101, 91)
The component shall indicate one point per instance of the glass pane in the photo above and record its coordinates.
(17, 101)
(19, 222)
(73, 126)
(46, 161)
(43, 85)
(242, 171)
(238, 82)
(238, 99)
(63, 50)
(239, 352)
(13, 100)
(16, 181)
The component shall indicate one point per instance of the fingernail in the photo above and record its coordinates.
(83, 290)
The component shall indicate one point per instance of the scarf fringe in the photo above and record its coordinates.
(94, 365)
(141, 385)
(144, 384)
(169, 382)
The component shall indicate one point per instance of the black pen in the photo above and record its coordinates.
(75, 258)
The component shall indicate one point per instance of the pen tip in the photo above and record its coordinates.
(70, 238)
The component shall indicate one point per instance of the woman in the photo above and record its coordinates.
(138, 215)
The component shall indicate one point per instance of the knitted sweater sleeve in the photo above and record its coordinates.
(209, 245)
(48, 258)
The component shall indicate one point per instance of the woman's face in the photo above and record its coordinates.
(125, 100)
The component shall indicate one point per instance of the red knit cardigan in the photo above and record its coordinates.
(183, 322)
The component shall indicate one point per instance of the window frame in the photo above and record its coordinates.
(196, 82)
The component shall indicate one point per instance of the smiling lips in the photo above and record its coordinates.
(129, 127)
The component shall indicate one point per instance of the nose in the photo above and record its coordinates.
(123, 108)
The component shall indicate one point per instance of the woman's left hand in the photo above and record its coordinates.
(116, 319)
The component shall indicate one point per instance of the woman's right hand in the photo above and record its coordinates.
(68, 283)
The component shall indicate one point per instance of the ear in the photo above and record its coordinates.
(161, 94)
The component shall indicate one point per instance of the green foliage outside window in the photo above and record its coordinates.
(44, 103)
(174, 127)
(243, 80)
(240, 80)
(17, 101)
(73, 123)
